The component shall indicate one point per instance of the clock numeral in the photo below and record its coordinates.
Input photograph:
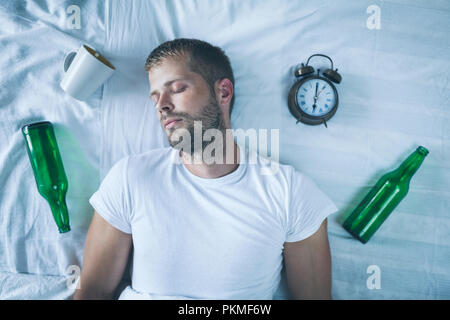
(326, 106)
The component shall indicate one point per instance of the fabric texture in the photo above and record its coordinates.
(35, 37)
(130, 294)
(393, 97)
(205, 238)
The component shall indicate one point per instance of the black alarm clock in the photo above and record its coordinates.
(313, 99)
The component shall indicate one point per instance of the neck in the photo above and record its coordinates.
(200, 168)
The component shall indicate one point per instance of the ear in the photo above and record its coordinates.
(224, 91)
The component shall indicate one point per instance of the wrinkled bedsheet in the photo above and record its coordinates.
(393, 56)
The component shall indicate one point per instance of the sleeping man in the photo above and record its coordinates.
(202, 229)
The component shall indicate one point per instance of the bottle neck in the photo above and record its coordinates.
(410, 166)
(60, 215)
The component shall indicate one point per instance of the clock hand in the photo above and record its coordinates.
(315, 97)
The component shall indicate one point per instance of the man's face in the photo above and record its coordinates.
(182, 95)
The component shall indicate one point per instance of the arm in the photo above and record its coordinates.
(105, 257)
(308, 266)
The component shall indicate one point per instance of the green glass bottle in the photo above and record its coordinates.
(48, 169)
(383, 198)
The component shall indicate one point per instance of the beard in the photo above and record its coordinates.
(210, 117)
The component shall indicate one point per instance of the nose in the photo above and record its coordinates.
(164, 103)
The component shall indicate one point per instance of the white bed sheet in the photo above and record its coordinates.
(34, 39)
(394, 96)
(24, 286)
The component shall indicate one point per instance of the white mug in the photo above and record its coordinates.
(86, 70)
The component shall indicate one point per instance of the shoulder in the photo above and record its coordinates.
(271, 170)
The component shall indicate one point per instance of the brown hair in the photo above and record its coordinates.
(203, 58)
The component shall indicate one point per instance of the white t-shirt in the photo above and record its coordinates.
(205, 238)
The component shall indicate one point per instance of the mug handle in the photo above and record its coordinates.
(68, 60)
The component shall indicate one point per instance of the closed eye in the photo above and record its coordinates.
(180, 90)
(155, 99)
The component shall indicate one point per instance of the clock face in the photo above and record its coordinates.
(316, 97)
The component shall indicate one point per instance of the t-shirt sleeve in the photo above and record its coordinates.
(308, 207)
(112, 199)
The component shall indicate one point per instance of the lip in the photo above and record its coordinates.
(170, 122)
